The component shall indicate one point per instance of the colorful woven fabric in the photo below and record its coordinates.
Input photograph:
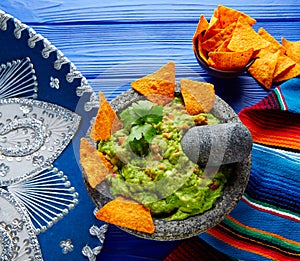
(275, 120)
(265, 225)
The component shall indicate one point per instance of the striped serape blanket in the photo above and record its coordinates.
(265, 225)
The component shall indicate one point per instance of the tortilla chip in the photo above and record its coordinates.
(95, 165)
(216, 13)
(256, 54)
(284, 63)
(223, 46)
(210, 62)
(263, 52)
(292, 49)
(291, 73)
(244, 38)
(213, 28)
(263, 69)
(202, 53)
(228, 16)
(228, 61)
(274, 44)
(229, 40)
(198, 96)
(127, 213)
(200, 30)
(214, 42)
(106, 121)
(158, 87)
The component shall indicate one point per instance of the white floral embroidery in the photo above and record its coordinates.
(54, 83)
(66, 246)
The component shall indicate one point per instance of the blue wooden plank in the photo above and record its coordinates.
(55, 11)
(99, 47)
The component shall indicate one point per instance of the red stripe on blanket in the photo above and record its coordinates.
(195, 249)
(237, 241)
(269, 127)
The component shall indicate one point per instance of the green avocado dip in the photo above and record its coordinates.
(150, 166)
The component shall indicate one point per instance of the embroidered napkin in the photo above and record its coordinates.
(265, 224)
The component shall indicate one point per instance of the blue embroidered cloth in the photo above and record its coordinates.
(52, 199)
(53, 202)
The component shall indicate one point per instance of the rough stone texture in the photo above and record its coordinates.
(214, 145)
(233, 191)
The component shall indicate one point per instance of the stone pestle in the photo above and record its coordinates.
(214, 145)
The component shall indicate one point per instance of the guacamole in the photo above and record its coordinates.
(150, 166)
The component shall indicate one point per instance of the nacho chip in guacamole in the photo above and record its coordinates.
(197, 96)
(128, 214)
(158, 87)
(94, 163)
(106, 121)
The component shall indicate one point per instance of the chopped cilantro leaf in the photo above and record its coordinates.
(140, 113)
(142, 108)
(138, 132)
(129, 117)
(139, 118)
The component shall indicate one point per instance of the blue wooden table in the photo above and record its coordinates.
(115, 42)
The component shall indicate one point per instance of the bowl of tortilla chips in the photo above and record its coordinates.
(135, 170)
(227, 45)
(226, 72)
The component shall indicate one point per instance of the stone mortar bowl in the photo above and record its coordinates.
(192, 226)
